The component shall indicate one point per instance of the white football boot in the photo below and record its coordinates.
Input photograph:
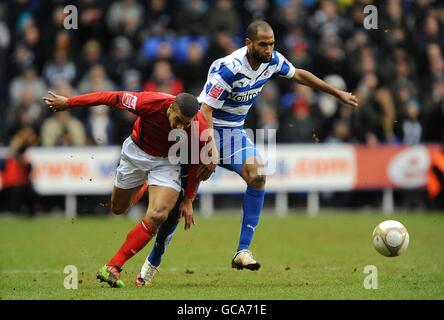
(146, 275)
(244, 259)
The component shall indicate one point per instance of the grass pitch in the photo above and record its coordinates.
(302, 258)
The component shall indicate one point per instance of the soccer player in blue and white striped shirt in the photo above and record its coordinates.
(233, 84)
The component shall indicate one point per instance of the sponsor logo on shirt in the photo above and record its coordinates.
(129, 101)
(216, 91)
(243, 97)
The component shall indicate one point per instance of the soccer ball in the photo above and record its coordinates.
(390, 238)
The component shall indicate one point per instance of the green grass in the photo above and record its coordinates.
(302, 258)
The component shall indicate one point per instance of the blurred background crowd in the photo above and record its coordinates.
(397, 71)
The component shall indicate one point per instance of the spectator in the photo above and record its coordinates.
(62, 129)
(158, 45)
(374, 118)
(192, 18)
(224, 15)
(194, 70)
(163, 79)
(60, 69)
(222, 43)
(121, 59)
(434, 130)
(99, 127)
(125, 18)
(91, 19)
(183, 44)
(91, 55)
(132, 80)
(297, 47)
(158, 12)
(268, 126)
(95, 79)
(255, 10)
(31, 39)
(28, 89)
(341, 133)
(297, 124)
(266, 108)
(411, 127)
(15, 174)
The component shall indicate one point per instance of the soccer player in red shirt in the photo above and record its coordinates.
(167, 229)
(144, 159)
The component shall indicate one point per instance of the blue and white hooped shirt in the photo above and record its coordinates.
(232, 85)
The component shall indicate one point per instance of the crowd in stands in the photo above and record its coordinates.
(397, 70)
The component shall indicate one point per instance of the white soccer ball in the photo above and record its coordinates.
(390, 238)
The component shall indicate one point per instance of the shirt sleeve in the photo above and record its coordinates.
(285, 68)
(192, 182)
(218, 86)
(135, 102)
(108, 98)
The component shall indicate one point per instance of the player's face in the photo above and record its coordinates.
(262, 47)
(177, 119)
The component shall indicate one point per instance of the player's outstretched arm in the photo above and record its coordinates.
(60, 103)
(56, 102)
(309, 79)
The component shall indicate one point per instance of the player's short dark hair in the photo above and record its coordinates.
(187, 104)
(253, 28)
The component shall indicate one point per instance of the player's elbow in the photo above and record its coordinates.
(300, 76)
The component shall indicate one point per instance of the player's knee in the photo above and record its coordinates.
(118, 208)
(257, 181)
(158, 214)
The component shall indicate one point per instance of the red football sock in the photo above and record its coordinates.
(135, 241)
(140, 194)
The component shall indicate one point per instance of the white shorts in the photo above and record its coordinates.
(136, 167)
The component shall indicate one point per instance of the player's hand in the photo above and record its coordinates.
(56, 102)
(206, 170)
(348, 98)
(186, 211)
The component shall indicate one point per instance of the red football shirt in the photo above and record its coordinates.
(151, 128)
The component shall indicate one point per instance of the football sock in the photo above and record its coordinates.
(163, 238)
(252, 207)
(135, 241)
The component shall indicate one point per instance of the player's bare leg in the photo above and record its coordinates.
(152, 262)
(162, 201)
(252, 173)
(122, 199)
(252, 207)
